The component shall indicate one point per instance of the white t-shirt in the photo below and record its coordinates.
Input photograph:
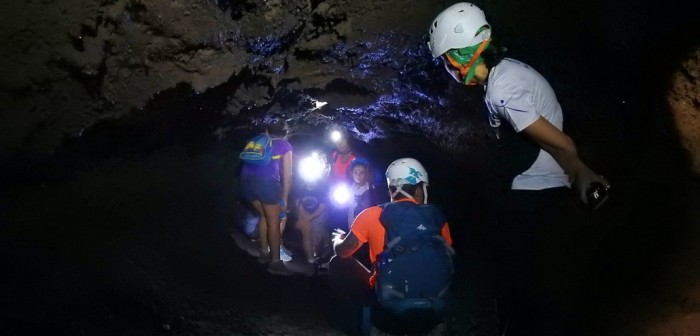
(518, 94)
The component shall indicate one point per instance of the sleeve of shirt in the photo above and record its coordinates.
(285, 147)
(515, 104)
(446, 234)
(362, 224)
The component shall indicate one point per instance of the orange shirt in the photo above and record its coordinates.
(341, 164)
(367, 228)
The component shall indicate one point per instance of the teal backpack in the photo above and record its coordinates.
(415, 269)
(258, 150)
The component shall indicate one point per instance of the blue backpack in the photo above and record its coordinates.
(415, 269)
(258, 150)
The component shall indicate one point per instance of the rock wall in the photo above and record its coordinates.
(684, 99)
(69, 64)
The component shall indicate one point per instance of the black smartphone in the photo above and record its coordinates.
(597, 194)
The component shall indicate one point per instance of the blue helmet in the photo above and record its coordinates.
(358, 161)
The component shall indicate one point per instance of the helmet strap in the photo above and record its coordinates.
(425, 193)
(399, 190)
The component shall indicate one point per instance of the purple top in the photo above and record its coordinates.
(280, 147)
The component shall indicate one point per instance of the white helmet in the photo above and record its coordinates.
(457, 27)
(406, 171)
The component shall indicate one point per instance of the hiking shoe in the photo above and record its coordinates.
(278, 268)
(324, 265)
(285, 255)
(264, 258)
(246, 244)
(286, 250)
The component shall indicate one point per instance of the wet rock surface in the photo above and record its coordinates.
(120, 120)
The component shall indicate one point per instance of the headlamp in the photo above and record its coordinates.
(311, 168)
(341, 195)
(336, 135)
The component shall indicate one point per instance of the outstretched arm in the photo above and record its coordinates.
(346, 246)
(563, 149)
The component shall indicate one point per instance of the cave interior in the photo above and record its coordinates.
(122, 121)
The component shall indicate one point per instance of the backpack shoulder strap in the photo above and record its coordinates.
(438, 217)
(440, 221)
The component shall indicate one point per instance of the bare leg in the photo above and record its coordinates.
(272, 216)
(283, 224)
(320, 234)
(262, 226)
(304, 227)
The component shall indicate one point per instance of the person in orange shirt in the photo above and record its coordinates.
(342, 157)
(352, 283)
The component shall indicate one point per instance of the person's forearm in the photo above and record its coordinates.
(567, 157)
(342, 250)
(321, 208)
(563, 150)
(313, 215)
(557, 144)
(286, 187)
(286, 176)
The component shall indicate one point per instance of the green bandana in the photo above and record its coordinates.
(464, 55)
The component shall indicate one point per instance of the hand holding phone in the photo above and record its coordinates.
(596, 194)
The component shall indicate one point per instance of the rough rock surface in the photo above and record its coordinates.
(69, 64)
(684, 98)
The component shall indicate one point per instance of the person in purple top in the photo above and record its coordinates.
(267, 189)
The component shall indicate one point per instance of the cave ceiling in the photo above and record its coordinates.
(71, 64)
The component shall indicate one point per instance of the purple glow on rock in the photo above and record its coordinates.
(265, 45)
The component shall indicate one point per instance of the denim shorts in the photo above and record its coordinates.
(265, 189)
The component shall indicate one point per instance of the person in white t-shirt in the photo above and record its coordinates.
(538, 162)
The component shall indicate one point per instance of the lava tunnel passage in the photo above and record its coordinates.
(127, 230)
(129, 224)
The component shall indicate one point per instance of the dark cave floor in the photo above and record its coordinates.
(141, 246)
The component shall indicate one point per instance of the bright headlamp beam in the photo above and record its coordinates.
(336, 136)
(341, 194)
(311, 168)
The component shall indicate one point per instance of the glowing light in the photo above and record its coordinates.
(319, 104)
(311, 168)
(341, 194)
(336, 136)
(316, 104)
